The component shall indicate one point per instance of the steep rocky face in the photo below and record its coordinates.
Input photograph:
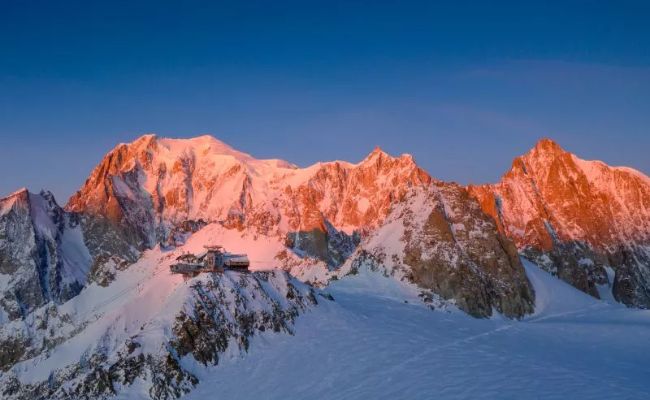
(576, 218)
(153, 186)
(197, 322)
(146, 189)
(326, 244)
(440, 239)
(42, 254)
(157, 190)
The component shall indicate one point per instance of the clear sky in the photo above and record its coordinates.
(463, 86)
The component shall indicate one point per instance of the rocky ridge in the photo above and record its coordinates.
(131, 340)
(76, 276)
(282, 215)
(585, 221)
(43, 257)
(322, 213)
(441, 241)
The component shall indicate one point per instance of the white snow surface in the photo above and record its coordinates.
(378, 340)
(76, 257)
(371, 344)
(262, 251)
(145, 296)
(143, 301)
(204, 178)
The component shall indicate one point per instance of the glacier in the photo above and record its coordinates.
(375, 341)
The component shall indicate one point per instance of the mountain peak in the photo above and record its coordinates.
(146, 137)
(552, 202)
(203, 141)
(19, 197)
(547, 146)
(205, 144)
(376, 154)
(19, 192)
(377, 151)
(544, 153)
(141, 141)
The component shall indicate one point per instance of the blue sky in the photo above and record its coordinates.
(463, 86)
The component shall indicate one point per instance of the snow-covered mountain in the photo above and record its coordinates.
(376, 342)
(440, 240)
(144, 329)
(156, 189)
(170, 181)
(585, 221)
(308, 221)
(90, 309)
(43, 257)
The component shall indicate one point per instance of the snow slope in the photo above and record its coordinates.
(147, 333)
(135, 325)
(370, 343)
(205, 179)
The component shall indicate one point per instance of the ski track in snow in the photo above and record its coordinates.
(374, 345)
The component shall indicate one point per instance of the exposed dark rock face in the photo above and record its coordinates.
(37, 332)
(218, 311)
(100, 377)
(326, 244)
(184, 230)
(564, 261)
(220, 315)
(448, 245)
(441, 240)
(12, 350)
(111, 247)
(119, 204)
(486, 272)
(631, 284)
(52, 254)
(42, 249)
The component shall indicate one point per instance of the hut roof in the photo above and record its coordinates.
(186, 256)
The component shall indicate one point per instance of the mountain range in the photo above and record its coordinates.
(95, 273)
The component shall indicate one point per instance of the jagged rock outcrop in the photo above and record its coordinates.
(440, 239)
(158, 190)
(150, 187)
(146, 189)
(325, 243)
(42, 254)
(208, 316)
(319, 222)
(577, 218)
(139, 324)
